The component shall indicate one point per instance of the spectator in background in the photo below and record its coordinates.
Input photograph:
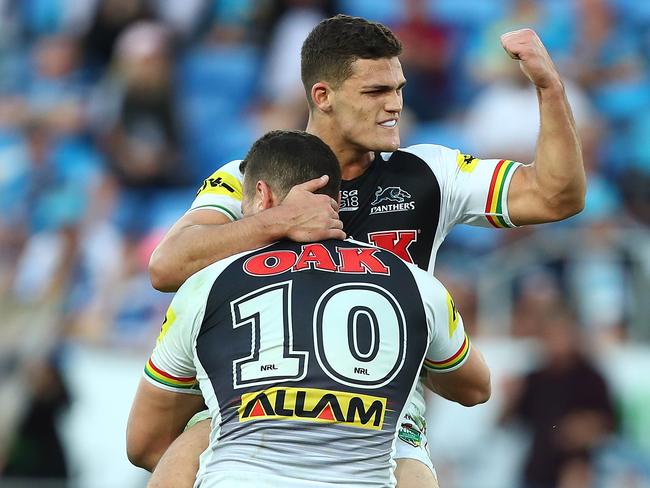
(134, 117)
(426, 61)
(56, 90)
(37, 450)
(283, 104)
(607, 61)
(58, 181)
(566, 404)
(486, 61)
(508, 97)
(111, 18)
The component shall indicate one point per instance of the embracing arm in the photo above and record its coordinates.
(201, 237)
(469, 385)
(554, 186)
(157, 417)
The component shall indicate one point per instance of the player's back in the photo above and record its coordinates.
(308, 353)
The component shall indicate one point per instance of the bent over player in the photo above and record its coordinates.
(305, 354)
(406, 200)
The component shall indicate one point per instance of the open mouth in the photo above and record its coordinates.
(389, 123)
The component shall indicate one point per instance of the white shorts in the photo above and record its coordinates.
(412, 436)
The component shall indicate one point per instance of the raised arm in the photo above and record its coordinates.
(202, 236)
(554, 186)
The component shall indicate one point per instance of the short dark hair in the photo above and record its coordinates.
(285, 158)
(335, 43)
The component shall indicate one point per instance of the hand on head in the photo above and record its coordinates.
(311, 216)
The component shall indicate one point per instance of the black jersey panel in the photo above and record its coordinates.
(394, 205)
(331, 332)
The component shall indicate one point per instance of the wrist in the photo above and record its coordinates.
(554, 88)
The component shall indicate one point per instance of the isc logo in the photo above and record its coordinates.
(314, 405)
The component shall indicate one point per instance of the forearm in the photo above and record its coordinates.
(187, 249)
(559, 170)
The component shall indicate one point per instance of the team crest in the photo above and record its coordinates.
(391, 199)
(390, 194)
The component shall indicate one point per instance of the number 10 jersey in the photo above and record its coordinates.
(306, 355)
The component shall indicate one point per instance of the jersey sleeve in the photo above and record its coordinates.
(449, 345)
(222, 191)
(171, 364)
(474, 191)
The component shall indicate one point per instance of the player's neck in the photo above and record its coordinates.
(354, 161)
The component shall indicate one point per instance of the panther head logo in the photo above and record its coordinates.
(390, 194)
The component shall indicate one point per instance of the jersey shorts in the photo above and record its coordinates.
(284, 343)
(406, 202)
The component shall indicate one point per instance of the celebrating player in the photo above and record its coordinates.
(405, 200)
(264, 333)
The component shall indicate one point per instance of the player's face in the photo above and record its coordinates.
(367, 105)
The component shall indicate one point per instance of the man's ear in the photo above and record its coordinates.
(321, 95)
(265, 198)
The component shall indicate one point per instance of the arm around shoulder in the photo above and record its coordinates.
(202, 237)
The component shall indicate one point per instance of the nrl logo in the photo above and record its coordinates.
(391, 199)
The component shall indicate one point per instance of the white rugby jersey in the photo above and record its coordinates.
(406, 202)
(306, 355)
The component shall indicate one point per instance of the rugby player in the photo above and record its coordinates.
(405, 200)
(306, 353)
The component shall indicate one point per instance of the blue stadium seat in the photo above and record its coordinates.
(226, 72)
(214, 134)
(217, 85)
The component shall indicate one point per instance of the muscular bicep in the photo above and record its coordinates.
(526, 202)
(157, 417)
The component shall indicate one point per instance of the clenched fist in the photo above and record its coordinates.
(525, 46)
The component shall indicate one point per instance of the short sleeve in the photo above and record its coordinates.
(474, 191)
(449, 345)
(171, 364)
(222, 191)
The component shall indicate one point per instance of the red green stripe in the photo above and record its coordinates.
(488, 203)
(496, 193)
(453, 361)
(506, 172)
(160, 376)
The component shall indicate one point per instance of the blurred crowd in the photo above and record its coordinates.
(113, 111)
